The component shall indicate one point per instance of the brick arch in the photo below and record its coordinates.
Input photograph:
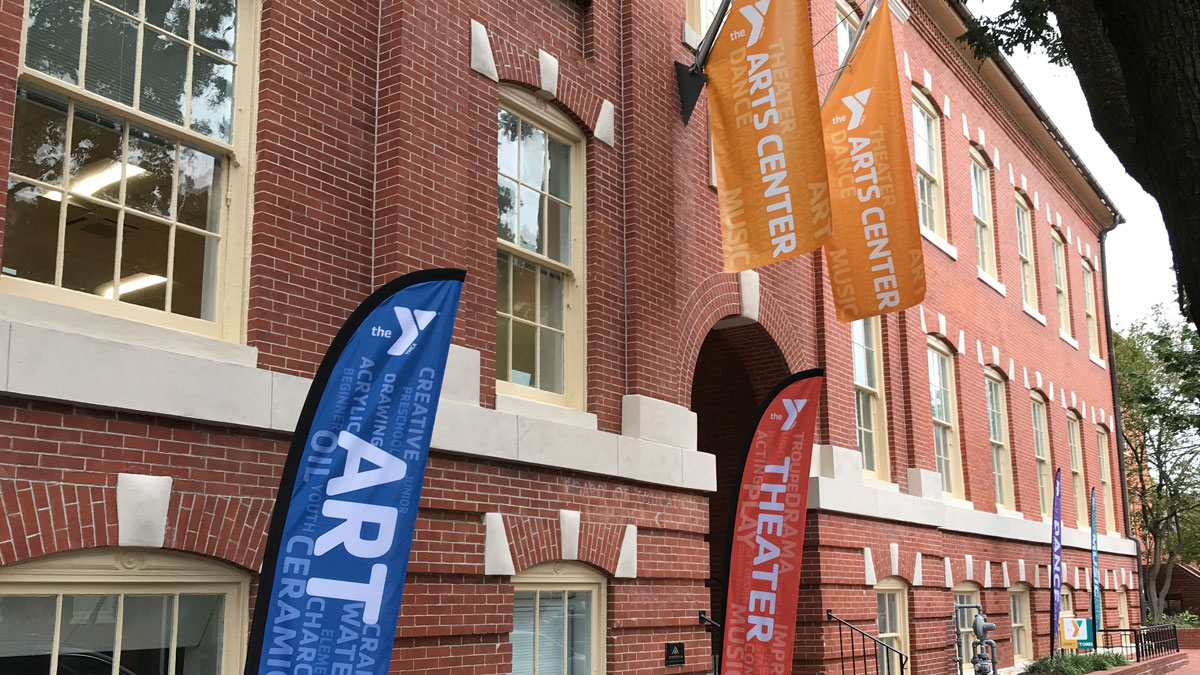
(518, 66)
(533, 541)
(44, 518)
(712, 300)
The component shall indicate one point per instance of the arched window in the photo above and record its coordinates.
(870, 416)
(966, 593)
(891, 596)
(1110, 522)
(1022, 629)
(997, 410)
(981, 207)
(122, 610)
(1078, 484)
(1061, 288)
(944, 408)
(927, 131)
(1123, 613)
(558, 620)
(1025, 250)
(1041, 454)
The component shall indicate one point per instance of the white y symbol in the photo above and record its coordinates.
(412, 322)
(856, 104)
(793, 407)
(756, 14)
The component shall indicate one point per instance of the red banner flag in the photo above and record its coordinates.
(768, 535)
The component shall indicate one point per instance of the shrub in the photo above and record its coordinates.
(1078, 664)
(1182, 620)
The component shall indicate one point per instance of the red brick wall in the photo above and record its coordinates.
(1185, 587)
(1189, 638)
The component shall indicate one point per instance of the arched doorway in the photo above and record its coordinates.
(739, 363)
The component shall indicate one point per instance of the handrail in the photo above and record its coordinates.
(863, 637)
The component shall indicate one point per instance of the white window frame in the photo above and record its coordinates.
(937, 349)
(922, 105)
(1061, 284)
(1089, 308)
(1039, 412)
(546, 117)
(998, 439)
(124, 572)
(965, 593)
(1123, 610)
(1027, 254)
(561, 575)
(1078, 479)
(985, 233)
(848, 21)
(898, 640)
(237, 205)
(881, 457)
(1102, 436)
(1022, 631)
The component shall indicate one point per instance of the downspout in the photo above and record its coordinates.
(1118, 427)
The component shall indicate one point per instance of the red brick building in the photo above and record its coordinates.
(200, 192)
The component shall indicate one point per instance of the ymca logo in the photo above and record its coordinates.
(412, 322)
(857, 105)
(756, 14)
(793, 407)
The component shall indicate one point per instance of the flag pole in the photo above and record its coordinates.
(850, 50)
(691, 78)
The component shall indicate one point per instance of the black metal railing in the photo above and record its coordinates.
(1138, 644)
(865, 654)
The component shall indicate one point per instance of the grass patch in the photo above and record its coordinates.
(1078, 664)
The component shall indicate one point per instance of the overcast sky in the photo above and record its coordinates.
(1139, 257)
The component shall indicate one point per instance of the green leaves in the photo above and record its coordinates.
(1027, 25)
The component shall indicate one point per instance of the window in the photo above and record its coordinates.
(1123, 607)
(966, 594)
(1041, 454)
(891, 598)
(1077, 482)
(1110, 521)
(1029, 290)
(928, 136)
(121, 610)
(1089, 310)
(124, 196)
(1060, 284)
(1066, 610)
(558, 620)
(539, 298)
(868, 397)
(701, 14)
(997, 409)
(847, 23)
(1022, 638)
(945, 419)
(981, 207)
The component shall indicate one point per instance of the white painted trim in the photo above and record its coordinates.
(1098, 361)
(568, 523)
(524, 407)
(1037, 316)
(917, 571)
(497, 557)
(942, 245)
(548, 75)
(627, 561)
(900, 11)
(894, 555)
(142, 503)
(869, 568)
(1068, 339)
(658, 421)
(482, 59)
(749, 293)
(689, 37)
(605, 129)
(993, 283)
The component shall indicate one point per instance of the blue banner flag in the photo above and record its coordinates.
(1097, 607)
(337, 551)
(1056, 562)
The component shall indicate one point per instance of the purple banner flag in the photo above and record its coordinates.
(1097, 605)
(1056, 561)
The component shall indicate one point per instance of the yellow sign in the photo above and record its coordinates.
(766, 132)
(875, 260)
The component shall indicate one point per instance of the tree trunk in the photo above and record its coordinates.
(1139, 66)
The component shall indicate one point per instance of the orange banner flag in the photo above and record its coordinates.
(874, 256)
(766, 131)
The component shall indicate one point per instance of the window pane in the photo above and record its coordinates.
(26, 634)
(146, 634)
(560, 170)
(532, 206)
(552, 361)
(216, 26)
(551, 628)
(979, 191)
(503, 297)
(88, 629)
(111, 55)
(506, 142)
(865, 414)
(96, 155)
(194, 277)
(579, 632)
(198, 642)
(90, 248)
(502, 348)
(199, 200)
(524, 354)
(524, 289)
(552, 299)
(169, 14)
(164, 76)
(144, 262)
(54, 37)
(533, 156)
(506, 210)
(31, 232)
(522, 633)
(151, 172)
(39, 132)
(212, 97)
(558, 231)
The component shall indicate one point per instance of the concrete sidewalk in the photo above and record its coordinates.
(1193, 666)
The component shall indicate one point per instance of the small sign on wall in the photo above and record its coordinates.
(674, 653)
